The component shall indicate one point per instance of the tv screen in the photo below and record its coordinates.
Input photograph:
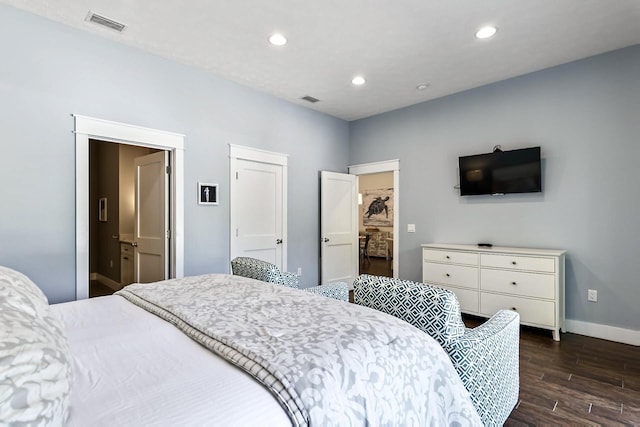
(501, 172)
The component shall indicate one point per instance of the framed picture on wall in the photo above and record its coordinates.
(377, 207)
(207, 193)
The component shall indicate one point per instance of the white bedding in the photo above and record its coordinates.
(132, 368)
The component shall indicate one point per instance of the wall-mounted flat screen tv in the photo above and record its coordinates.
(501, 172)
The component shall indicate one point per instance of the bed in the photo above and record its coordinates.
(217, 350)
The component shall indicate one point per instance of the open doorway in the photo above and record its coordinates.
(379, 217)
(112, 246)
(171, 146)
(375, 223)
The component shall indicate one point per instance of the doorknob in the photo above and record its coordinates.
(325, 240)
(279, 241)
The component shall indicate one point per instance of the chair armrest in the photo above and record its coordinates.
(487, 360)
(283, 278)
(337, 290)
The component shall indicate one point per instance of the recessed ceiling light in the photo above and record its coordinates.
(358, 80)
(278, 39)
(486, 32)
(423, 86)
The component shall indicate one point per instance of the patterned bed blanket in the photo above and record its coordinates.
(327, 362)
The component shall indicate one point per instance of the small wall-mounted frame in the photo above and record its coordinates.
(207, 193)
(102, 209)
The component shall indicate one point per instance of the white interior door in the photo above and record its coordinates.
(339, 227)
(257, 211)
(151, 227)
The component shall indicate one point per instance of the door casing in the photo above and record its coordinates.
(86, 128)
(387, 166)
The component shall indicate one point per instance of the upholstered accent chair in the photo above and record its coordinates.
(379, 245)
(486, 357)
(267, 272)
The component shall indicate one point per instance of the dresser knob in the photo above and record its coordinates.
(513, 262)
(447, 257)
(513, 308)
(513, 283)
(448, 275)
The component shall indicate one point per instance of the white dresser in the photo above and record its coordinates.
(485, 280)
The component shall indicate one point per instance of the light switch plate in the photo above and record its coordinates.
(411, 228)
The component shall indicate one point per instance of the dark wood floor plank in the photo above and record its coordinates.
(376, 266)
(632, 384)
(534, 415)
(632, 413)
(597, 388)
(592, 372)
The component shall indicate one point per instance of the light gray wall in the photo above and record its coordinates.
(50, 71)
(586, 117)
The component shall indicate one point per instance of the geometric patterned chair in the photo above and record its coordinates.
(486, 357)
(267, 272)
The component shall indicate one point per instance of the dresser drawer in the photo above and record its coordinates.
(457, 275)
(531, 311)
(450, 256)
(126, 249)
(519, 283)
(547, 265)
(469, 300)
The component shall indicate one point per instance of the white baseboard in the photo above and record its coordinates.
(611, 333)
(106, 281)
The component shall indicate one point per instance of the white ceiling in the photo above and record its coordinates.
(395, 45)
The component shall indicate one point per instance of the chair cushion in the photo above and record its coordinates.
(335, 290)
(433, 310)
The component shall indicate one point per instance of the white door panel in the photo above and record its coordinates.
(258, 211)
(339, 227)
(151, 217)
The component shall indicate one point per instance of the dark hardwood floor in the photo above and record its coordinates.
(98, 289)
(376, 266)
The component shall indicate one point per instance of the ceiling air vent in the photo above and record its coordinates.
(310, 99)
(105, 22)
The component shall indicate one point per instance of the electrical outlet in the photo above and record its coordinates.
(299, 271)
(411, 228)
(592, 295)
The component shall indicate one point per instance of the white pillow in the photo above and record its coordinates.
(19, 292)
(35, 364)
